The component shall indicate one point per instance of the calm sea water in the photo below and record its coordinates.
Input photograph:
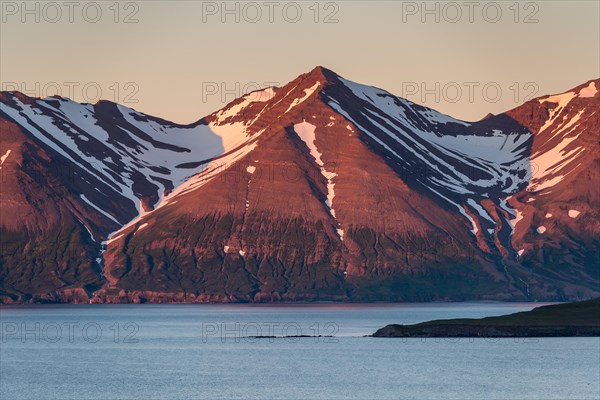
(210, 352)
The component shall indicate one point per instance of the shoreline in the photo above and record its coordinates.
(577, 319)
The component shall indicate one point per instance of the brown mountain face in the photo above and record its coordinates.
(45, 249)
(319, 190)
(558, 230)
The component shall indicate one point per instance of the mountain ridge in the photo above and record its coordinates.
(358, 153)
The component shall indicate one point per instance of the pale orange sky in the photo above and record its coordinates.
(177, 51)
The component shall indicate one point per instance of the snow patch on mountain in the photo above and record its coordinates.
(262, 96)
(480, 210)
(95, 207)
(307, 93)
(553, 165)
(562, 100)
(504, 205)
(462, 210)
(514, 221)
(142, 226)
(87, 229)
(589, 91)
(232, 110)
(50, 131)
(306, 132)
(502, 156)
(574, 213)
(392, 105)
(4, 157)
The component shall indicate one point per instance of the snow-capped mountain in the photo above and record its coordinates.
(320, 189)
(125, 161)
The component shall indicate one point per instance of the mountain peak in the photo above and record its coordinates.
(321, 71)
(544, 112)
(318, 74)
(6, 96)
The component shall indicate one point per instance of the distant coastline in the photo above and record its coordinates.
(578, 319)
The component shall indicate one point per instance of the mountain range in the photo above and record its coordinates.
(320, 190)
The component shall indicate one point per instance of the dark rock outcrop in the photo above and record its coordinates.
(564, 320)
